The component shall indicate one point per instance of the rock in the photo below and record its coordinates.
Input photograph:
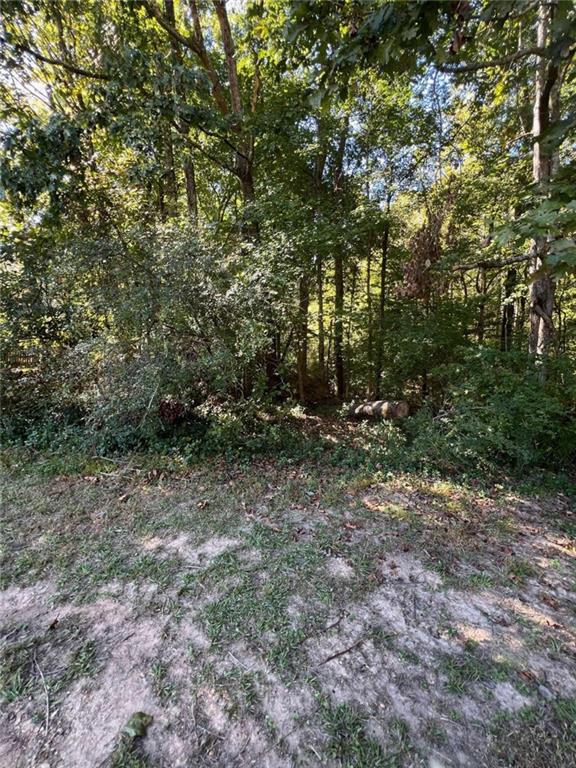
(380, 409)
(546, 693)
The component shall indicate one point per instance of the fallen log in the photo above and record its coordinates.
(380, 409)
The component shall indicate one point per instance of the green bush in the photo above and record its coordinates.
(498, 412)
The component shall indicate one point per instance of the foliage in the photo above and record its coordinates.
(210, 211)
(497, 414)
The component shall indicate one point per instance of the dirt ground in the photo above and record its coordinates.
(284, 616)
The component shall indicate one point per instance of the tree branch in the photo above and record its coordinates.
(228, 43)
(68, 66)
(493, 264)
(499, 62)
(193, 43)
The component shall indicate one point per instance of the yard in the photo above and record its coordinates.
(282, 614)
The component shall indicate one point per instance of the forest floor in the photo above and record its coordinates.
(283, 614)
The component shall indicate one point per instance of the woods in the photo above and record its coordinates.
(287, 202)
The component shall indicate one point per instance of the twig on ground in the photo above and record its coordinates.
(323, 629)
(341, 653)
(238, 660)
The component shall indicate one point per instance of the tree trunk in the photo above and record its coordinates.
(382, 303)
(170, 186)
(542, 288)
(321, 332)
(507, 322)
(370, 342)
(319, 165)
(191, 190)
(339, 276)
(303, 304)
(481, 288)
(339, 325)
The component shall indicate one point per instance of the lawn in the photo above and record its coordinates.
(277, 613)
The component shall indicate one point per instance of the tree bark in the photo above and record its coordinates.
(191, 189)
(481, 288)
(303, 304)
(507, 320)
(339, 278)
(370, 341)
(542, 288)
(170, 184)
(382, 302)
(319, 166)
(321, 331)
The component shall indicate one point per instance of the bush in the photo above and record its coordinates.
(497, 412)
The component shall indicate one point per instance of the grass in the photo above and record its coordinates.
(128, 753)
(471, 667)
(161, 684)
(352, 747)
(54, 659)
(311, 568)
(519, 570)
(541, 736)
(481, 580)
(239, 688)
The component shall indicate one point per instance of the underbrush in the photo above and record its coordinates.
(495, 418)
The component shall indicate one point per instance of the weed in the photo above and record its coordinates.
(162, 686)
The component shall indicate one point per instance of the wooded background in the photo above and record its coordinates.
(208, 202)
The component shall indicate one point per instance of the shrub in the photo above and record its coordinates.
(497, 411)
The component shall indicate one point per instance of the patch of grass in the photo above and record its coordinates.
(17, 672)
(253, 599)
(383, 638)
(83, 663)
(128, 752)
(408, 656)
(97, 563)
(349, 743)
(480, 580)
(239, 689)
(470, 667)
(351, 746)
(435, 733)
(24, 662)
(542, 736)
(162, 686)
(519, 570)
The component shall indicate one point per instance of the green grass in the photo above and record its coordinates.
(128, 752)
(161, 684)
(54, 659)
(471, 667)
(519, 570)
(238, 687)
(481, 580)
(352, 747)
